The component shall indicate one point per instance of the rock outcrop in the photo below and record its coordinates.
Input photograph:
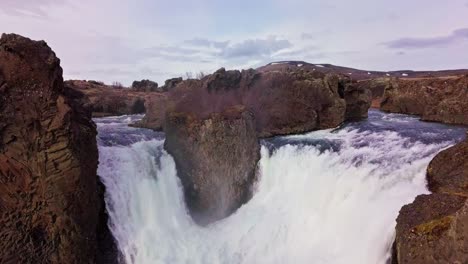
(155, 106)
(145, 86)
(283, 102)
(106, 100)
(216, 158)
(434, 228)
(434, 99)
(50, 202)
(358, 101)
(171, 83)
(376, 87)
(212, 127)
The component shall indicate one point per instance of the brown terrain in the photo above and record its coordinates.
(51, 203)
(216, 158)
(107, 100)
(283, 102)
(212, 127)
(434, 99)
(51, 200)
(356, 74)
(434, 228)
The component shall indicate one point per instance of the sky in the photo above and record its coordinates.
(126, 40)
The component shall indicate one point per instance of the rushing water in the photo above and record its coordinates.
(323, 197)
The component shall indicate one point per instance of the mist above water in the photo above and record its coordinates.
(324, 197)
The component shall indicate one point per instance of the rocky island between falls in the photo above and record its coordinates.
(51, 199)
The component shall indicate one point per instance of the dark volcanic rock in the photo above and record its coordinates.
(171, 83)
(377, 88)
(145, 86)
(216, 158)
(155, 105)
(448, 171)
(282, 102)
(106, 100)
(212, 127)
(358, 100)
(49, 195)
(434, 228)
(434, 99)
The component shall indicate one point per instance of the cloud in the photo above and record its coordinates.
(33, 8)
(307, 36)
(417, 43)
(201, 42)
(206, 51)
(256, 48)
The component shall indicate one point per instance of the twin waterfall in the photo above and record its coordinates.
(324, 197)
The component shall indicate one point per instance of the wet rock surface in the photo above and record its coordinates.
(434, 228)
(50, 203)
(216, 158)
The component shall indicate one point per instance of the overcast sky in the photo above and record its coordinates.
(124, 40)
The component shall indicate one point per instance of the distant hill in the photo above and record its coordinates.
(358, 74)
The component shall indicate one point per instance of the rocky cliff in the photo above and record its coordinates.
(106, 100)
(212, 126)
(145, 86)
(50, 203)
(434, 228)
(434, 99)
(283, 102)
(216, 158)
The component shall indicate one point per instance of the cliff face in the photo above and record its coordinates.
(105, 100)
(434, 228)
(216, 158)
(434, 99)
(283, 102)
(155, 106)
(49, 196)
(212, 127)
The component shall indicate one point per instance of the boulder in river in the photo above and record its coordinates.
(216, 158)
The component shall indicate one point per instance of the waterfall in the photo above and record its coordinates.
(324, 197)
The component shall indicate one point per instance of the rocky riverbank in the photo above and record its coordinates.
(442, 99)
(434, 228)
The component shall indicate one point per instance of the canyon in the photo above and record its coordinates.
(217, 131)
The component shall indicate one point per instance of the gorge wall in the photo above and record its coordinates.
(212, 127)
(434, 228)
(51, 207)
(442, 99)
(283, 102)
(107, 100)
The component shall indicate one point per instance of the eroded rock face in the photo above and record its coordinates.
(106, 100)
(434, 99)
(171, 83)
(434, 228)
(145, 86)
(283, 102)
(155, 105)
(216, 158)
(358, 101)
(49, 196)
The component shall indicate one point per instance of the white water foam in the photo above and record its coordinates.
(309, 207)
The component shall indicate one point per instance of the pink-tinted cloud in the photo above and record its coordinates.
(438, 41)
(36, 8)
